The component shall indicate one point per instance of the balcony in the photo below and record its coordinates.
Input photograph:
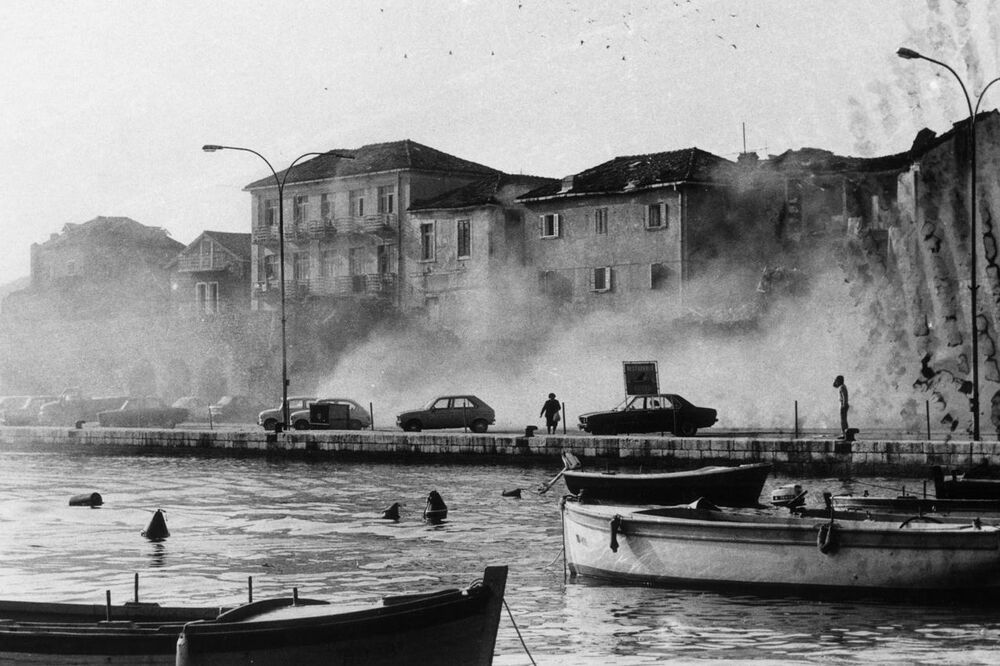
(320, 229)
(264, 235)
(383, 224)
(347, 225)
(373, 284)
(296, 232)
(198, 263)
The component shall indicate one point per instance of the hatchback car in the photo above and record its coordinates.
(650, 413)
(270, 418)
(449, 411)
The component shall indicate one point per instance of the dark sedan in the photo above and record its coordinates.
(667, 412)
(143, 413)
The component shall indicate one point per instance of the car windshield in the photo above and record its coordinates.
(433, 401)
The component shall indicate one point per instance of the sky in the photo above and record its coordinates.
(105, 105)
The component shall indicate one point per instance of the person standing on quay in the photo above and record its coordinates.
(550, 410)
(838, 383)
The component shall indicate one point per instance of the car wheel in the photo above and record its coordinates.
(270, 424)
(412, 426)
(688, 430)
(354, 424)
(479, 425)
(301, 424)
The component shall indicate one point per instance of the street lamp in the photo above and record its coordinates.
(910, 54)
(280, 181)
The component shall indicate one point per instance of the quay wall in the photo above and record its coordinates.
(801, 456)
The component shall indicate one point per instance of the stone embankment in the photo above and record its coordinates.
(809, 456)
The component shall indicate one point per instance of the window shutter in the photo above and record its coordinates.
(664, 212)
(557, 223)
(607, 278)
(541, 225)
(593, 279)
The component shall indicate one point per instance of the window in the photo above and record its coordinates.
(549, 225)
(601, 221)
(300, 267)
(300, 209)
(600, 279)
(357, 203)
(207, 297)
(387, 199)
(658, 275)
(328, 264)
(462, 403)
(656, 216)
(270, 212)
(325, 207)
(383, 258)
(355, 261)
(206, 253)
(270, 267)
(464, 238)
(427, 241)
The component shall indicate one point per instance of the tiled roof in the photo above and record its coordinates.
(625, 174)
(115, 230)
(482, 192)
(238, 244)
(818, 161)
(373, 158)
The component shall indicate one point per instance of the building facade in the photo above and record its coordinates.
(212, 274)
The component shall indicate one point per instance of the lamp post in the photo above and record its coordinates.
(280, 182)
(910, 54)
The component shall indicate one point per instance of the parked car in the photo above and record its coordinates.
(449, 411)
(235, 409)
(196, 406)
(358, 417)
(270, 418)
(145, 412)
(71, 408)
(667, 412)
(25, 410)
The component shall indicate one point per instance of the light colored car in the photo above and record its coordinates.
(270, 418)
(449, 411)
(147, 412)
(24, 411)
(358, 417)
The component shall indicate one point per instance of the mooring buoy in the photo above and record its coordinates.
(86, 499)
(392, 512)
(157, 528)
(436, 510)
(516, 493)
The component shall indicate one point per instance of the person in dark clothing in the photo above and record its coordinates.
(838, 383)
(550, 410)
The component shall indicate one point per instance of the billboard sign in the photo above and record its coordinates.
(641, 378)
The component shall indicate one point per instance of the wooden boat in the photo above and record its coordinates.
(698, 547)
(974, 484)
(912, 504)
(725, 486)
(449, 627)
(84, 634)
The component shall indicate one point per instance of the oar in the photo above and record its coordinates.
(544, 488)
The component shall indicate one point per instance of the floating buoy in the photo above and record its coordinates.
(392, 513)
(436, 510)
(512, 493)
(87, 499)
(157, 528)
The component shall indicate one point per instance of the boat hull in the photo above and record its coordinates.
(725, 486)
(957, 509)
(80, 634)
(452, 627)
(695, 548)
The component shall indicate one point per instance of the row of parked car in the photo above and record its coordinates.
(638, 414)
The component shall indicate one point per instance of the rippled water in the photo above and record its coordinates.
(317, 527)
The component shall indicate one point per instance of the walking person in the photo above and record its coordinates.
(550, 410)
(838, 383)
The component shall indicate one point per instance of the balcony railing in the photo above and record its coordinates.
(381, 224)
(322, 228)
(348, 285)
(198, 263)
(265, 234)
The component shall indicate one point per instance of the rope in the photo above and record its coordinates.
(875, 485)
(519, 637)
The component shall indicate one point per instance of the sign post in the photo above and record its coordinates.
(641, 378)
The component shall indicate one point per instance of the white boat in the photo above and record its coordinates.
(697, 547)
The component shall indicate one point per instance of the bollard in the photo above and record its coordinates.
(87, 499)
(371, 413)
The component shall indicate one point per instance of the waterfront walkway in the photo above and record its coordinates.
(795, 455)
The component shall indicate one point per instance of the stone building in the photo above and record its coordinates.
(348, 235)
(626, 230)
(212, 274)
(472, 246)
